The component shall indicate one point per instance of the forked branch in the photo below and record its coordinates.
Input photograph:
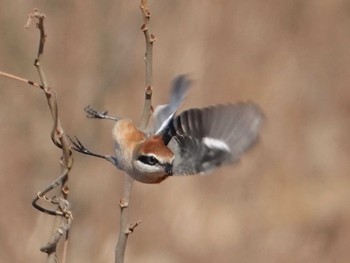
(62, 212)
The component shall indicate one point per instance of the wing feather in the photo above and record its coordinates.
(202, 139)
(163, 114)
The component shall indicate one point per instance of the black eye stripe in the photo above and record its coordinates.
(148, 159)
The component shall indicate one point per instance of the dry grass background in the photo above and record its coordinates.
(287, 201)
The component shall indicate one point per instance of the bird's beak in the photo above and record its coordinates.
(168, 168)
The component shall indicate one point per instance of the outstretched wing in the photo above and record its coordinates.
(193, 156)
(163, 114)
(202, 139)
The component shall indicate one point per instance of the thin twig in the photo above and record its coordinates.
(124, 219)
(125, 227)
(8, 75)
(62, 213)
(55, 200)
(149, 40)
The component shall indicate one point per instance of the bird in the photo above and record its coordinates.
(196, 141)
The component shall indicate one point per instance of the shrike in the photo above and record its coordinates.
(194, 142)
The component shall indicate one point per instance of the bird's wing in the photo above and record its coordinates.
(202, 139)
(163, 114)
(192, 156)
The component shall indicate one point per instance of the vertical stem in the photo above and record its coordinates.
(124, 219)
(62, 214)
(125, 227)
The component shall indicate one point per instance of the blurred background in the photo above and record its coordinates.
(288, 200)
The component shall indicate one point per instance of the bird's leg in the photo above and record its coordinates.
(94, 114)
(79, 147)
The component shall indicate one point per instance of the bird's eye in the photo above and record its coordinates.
(148, 159)
(152, 160)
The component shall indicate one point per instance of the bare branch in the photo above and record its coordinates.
(125, 227)
(54, 200)
(8, 75)
(149, 40)
(62, 213)
(124, 219)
